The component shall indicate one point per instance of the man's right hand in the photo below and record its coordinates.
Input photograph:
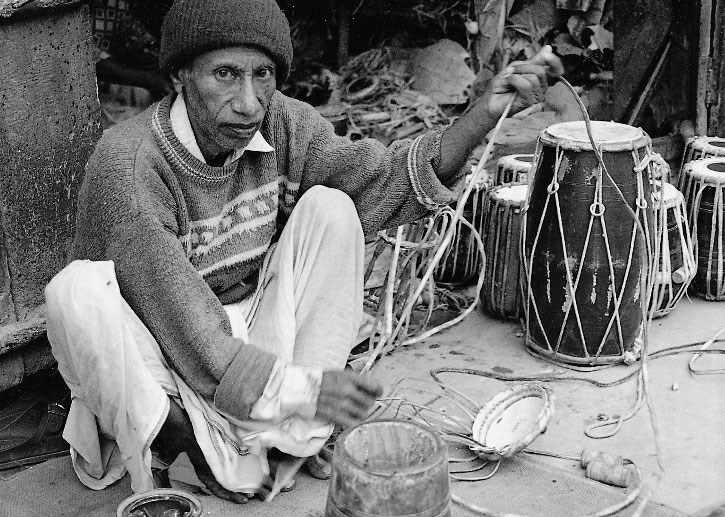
(346, 397)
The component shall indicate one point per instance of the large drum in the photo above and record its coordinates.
(676, 263)
(584, 255)
(703, 186)
(513, 169)
(501, 289)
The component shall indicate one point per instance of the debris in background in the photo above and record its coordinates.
(526, 28)
(486, 45)
(573, 5)
(310, 82)
(441, 72)
(382, 103)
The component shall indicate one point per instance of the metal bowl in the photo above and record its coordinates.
(161, 502)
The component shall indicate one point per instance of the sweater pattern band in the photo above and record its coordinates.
(232, 213)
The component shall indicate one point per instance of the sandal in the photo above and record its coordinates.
(30, 430)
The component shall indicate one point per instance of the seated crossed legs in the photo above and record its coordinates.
(306, 311)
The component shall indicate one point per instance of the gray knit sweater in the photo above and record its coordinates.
(186, 237)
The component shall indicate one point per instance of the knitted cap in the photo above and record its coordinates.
(192, 27)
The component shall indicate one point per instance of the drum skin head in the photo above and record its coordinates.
(711, 170)
(514, 194)
(668, 196)
(609, 136)
(711, 144)
(511, 420)
(525, 160)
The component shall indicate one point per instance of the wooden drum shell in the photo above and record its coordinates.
(700, 147)
(676, 260)
(501, 293)
(583, 261)
(703, 187)
(513, 169)
(461, 262)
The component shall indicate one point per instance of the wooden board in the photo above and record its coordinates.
(716, 101)
(640, 30)
(50, 122)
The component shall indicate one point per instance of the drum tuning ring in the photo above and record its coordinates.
(597, 209)
(552, 187)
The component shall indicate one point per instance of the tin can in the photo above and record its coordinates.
(160, 502)
(616, 475)
(589, 455)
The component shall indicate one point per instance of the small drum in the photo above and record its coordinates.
(583, 254)
(501, 289)
(513, 169)
(461, 262)
(676, 264)
(703, 186)
(698, 147)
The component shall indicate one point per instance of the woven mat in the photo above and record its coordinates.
(522, 486)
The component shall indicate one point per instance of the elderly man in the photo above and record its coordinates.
(216, 284)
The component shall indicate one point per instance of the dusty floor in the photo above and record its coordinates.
(689, 409)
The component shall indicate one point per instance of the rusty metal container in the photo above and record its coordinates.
(49, 123)
(389, 468)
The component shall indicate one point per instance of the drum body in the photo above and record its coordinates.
(513, 169)
(501, 289)
(582, 252)
(461, 262)
(703, 186)
(676, 259)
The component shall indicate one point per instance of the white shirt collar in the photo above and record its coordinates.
(181, 127)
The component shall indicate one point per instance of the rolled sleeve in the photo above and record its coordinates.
(291, 390)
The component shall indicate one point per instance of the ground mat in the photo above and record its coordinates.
(522, 486)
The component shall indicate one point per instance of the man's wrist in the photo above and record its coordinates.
(300, 390)
(462, 137)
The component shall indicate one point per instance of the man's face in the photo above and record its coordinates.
(227, 92)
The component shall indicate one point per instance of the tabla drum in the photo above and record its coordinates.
(584, 255)
(513, 169)
(698, 147)
(461, 262)
(501, 288)
(676, 259)
(703, 186)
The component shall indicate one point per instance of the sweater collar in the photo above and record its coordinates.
(177, 155)
(181, 126)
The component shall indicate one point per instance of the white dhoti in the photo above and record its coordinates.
(306, 310)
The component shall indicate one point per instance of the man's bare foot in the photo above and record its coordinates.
(317, 467)
(177, 436)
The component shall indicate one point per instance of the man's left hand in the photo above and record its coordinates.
(346, 398)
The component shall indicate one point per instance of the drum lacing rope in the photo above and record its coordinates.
(665, 352)
(389, 338)
(665, 290)
(704, 348)
(597, 210)
(715, 222)
(552, 190)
